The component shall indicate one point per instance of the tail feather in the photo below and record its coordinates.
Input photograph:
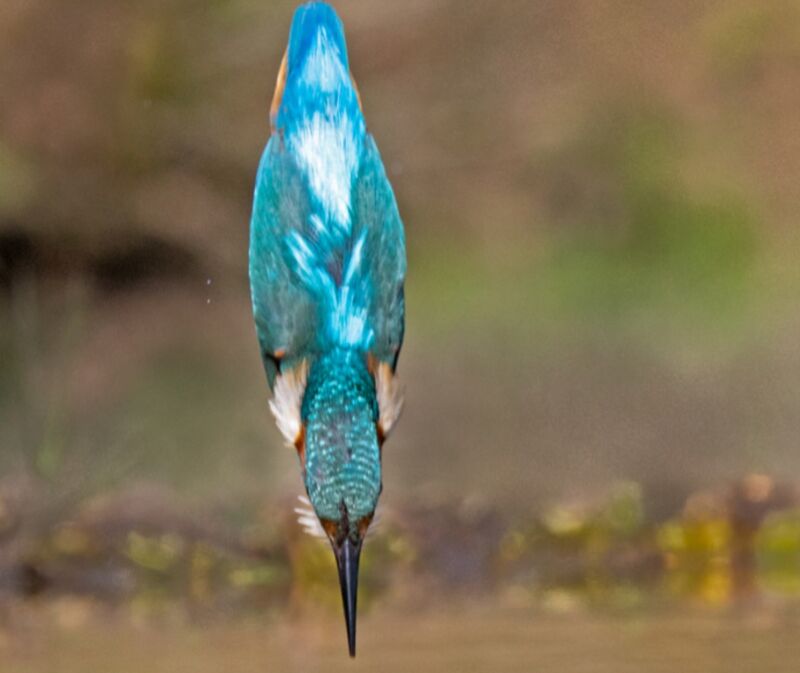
(309, 21)
(320, 117)
(317, 113)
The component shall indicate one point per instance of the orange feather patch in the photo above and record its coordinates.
(277, 97)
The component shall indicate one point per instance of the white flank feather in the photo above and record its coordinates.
(308, 520)
(390, 397)
(287, 400)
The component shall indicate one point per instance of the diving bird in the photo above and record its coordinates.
(327, 267)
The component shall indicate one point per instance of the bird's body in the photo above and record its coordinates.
(327, 266)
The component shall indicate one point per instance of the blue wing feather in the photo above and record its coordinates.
(375, 212)
(285, 312)
(327, 252)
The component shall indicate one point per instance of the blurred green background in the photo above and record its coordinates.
(597, 466)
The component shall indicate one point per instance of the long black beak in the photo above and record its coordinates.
(347, 559)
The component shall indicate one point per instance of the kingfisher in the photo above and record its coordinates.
(327, 267)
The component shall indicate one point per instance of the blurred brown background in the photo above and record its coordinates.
(600, 204)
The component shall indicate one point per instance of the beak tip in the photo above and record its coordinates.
(347, 559)
(351, 631)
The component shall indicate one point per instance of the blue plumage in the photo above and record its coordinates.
(327, 265)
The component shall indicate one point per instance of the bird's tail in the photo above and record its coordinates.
(316, 109)
(315, 69)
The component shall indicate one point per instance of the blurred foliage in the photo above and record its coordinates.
(745, 37)
(606, 554)
(660, 246)
(778, 549)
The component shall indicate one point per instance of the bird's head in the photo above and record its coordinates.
(346, 538)
(342, 461)
(337, 413)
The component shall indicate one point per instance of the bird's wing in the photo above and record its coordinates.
(374, 212)
(315, 284)
(285, 311)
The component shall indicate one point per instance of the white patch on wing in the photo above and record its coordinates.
(350, 317)
(390, 397)
(287, 400)
(349, 322)
(354, 262)
(304, 256)
(328, 150)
